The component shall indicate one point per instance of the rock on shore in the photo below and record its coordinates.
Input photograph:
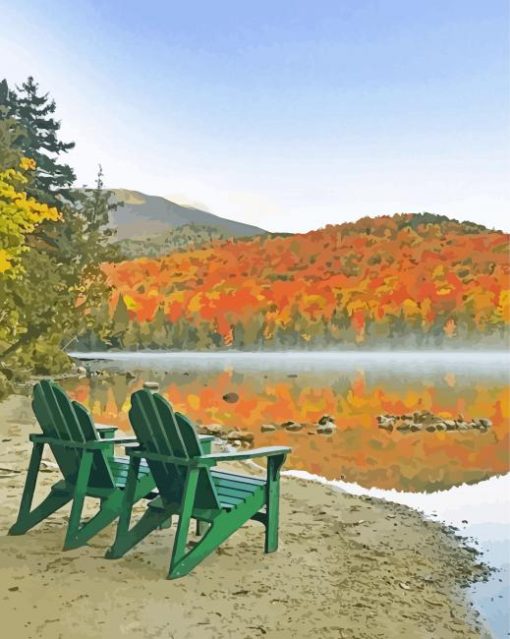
(325, 426)
(426, 421)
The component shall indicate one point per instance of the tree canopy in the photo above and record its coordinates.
(21, 214)
(53, 238)
(38, 139)
(402, 281)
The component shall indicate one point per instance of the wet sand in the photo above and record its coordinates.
(348, 567)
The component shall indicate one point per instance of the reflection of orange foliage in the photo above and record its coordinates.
(358, 451)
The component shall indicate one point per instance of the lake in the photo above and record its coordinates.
(460, 477)
(352, 388)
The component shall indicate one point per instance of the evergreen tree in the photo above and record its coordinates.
(10, 131)
(159, 329)
(38, 139)
(203, 337)
(120, 322)
(62, 283)
(239, 336)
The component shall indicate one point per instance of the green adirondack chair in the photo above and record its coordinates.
(87, 462)
(190, 487)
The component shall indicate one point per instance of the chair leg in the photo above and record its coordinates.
(271, 537)
(125, 539)
(108, 512)
(78, 500)
(181, 535)
(200, 528)
(56, 499)
(220, 529)
(165, 524)
(273, 503)
(48, 506)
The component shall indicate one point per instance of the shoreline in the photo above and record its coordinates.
(348, 566)
(502, 351)
(480, 515)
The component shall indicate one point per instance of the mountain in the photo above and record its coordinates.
(143, 215)
(401, 281)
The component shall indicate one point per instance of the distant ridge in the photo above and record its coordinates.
(147, 215)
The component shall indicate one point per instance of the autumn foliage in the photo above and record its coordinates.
(20, 215)
(408, 280)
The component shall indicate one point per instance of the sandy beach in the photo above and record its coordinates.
(348, 567)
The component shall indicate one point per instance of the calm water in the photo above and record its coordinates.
(455, 476)
(352, 388)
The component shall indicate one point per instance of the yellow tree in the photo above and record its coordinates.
(19, 216)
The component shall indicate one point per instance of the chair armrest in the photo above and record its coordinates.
(206, 443)
(96, 444)
(204, 439)
(206, 461)
(105, 430)
(269, 451)
(191, 462)
(122, 440)
(130, 445)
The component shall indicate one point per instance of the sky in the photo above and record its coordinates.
(285, 114)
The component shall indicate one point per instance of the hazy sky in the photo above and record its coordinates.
(285, 114)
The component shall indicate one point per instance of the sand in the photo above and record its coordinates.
(347, 567)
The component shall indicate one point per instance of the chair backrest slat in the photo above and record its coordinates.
(159, 429)
(85, 420)
(70, 421)
(175, 438)
(101, 475)
(59, 425)
(151, 434)
(189, 436)
(66, 460)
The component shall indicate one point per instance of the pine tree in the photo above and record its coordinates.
(63, 283)
(10, 132)
(159, 329)
(38, 139)
(120, 321)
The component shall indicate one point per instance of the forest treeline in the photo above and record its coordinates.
(401, 281)
(187, 236)
(53, 239)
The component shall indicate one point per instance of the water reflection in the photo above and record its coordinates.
(273, 391)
